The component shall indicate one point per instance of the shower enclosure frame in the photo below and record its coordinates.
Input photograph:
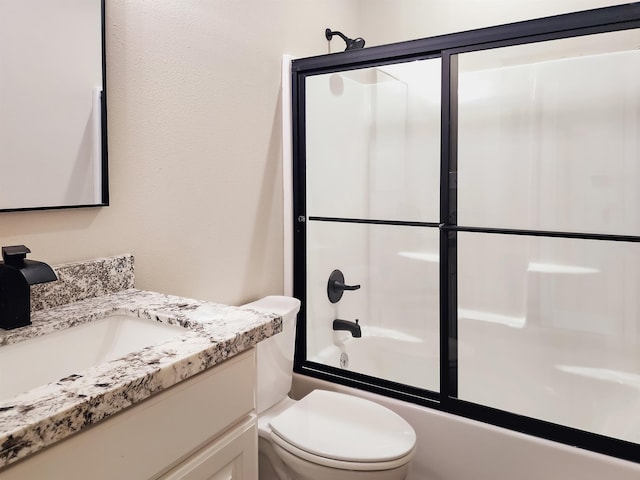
(445, 47)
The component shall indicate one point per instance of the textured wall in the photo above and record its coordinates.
(388, 21)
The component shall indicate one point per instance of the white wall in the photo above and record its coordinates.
(194, 145)
(388, 21)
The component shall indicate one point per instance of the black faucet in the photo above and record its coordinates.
(16, 276)
(352, 327)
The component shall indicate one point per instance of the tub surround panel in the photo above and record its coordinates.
(49, 413)
(81, 280)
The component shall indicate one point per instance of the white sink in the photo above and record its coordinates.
(49, 358)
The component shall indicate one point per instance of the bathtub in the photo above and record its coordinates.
(455, 448)
(386, 353)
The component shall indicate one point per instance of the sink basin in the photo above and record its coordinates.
(41, 360)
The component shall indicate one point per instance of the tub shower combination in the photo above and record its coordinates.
(466, 232)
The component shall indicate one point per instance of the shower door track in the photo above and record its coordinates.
(446, 47)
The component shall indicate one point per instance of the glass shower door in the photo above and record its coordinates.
(549, 184)
(504, 287)
(372, 193)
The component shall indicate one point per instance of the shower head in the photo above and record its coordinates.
(352, 43)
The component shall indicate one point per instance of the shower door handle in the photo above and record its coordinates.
(336, 286)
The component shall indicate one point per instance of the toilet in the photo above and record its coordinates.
(325, 435)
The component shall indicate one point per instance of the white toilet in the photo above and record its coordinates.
(325, 435)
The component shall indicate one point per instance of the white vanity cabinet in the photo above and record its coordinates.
(231, 457)
(203, 428)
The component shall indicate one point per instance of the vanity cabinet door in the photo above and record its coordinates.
(234, 456)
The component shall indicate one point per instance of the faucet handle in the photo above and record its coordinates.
(336, 286)
(14, 255)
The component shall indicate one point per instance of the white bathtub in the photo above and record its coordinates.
(455, 448)
(386, 353)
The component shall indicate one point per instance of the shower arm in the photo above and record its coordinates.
(329, 34)
(352, 43)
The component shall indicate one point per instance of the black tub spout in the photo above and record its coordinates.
(352, 327)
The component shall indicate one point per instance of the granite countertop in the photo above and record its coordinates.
(46, 414)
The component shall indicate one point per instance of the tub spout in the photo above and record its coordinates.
(352, 327)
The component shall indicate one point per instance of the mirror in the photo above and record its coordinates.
(53, 150)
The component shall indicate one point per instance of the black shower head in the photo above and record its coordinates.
(352, 43)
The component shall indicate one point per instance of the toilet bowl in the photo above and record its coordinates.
(325, 435)
(339, 436)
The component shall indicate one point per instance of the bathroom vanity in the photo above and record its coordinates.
(175, 409)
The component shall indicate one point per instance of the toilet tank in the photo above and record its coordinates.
(275, 354)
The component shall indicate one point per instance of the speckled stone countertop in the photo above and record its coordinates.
(39, 417)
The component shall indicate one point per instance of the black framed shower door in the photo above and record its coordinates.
(533, 233)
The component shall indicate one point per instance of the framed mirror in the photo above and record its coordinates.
(53, 136)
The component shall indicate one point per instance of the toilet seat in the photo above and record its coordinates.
(343, 431)
(340, 464)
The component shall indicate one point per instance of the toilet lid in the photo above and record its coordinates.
(343, 427)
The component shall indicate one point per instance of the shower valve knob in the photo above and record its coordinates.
(336, 286)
